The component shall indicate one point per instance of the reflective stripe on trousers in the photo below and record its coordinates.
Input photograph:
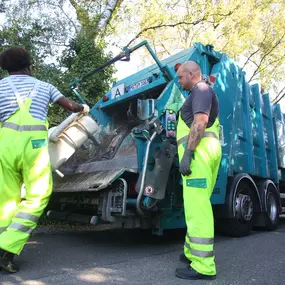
(205, 135)
(18, 128)
(21, 228)
(200, 241)
(27, 216)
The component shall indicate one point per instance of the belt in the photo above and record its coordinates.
(19, 128)
(205, 135)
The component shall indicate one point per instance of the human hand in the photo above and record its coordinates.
(184, 167)
(85, 110)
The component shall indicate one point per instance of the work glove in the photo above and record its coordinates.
(86, 109)
(184, 167)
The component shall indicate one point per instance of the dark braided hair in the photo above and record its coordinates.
(15, 59)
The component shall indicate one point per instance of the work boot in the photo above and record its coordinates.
(7, 262)
(184, 259)
(190, 274)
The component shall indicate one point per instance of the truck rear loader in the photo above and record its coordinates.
(119, 165)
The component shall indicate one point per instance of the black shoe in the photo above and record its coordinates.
(7, 262)
(191, 274)
(184, 259)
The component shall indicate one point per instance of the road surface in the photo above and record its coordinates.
(82, 256)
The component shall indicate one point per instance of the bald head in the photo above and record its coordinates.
(189, 73)
(191, 66)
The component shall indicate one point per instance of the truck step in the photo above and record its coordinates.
(115, 201)
(73, 217)
(79, 182)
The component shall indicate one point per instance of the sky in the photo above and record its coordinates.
(125, 69)
(1, 19)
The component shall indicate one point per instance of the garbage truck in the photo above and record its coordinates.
(119, 164)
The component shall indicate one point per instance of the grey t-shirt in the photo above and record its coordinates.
(202, 99)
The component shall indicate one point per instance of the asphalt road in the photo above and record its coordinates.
(84, 256)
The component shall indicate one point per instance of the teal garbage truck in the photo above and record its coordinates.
(119, 164)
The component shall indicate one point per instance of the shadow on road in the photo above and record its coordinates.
(83, 255)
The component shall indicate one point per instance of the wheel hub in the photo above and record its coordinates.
(244, 207)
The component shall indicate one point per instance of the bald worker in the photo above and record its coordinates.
(199, 152)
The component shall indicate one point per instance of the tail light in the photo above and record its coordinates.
(105, 98)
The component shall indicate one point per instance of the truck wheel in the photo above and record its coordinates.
(271, 206)
(243, 209)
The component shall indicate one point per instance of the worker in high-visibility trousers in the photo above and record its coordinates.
(199, 152)
(24, 157)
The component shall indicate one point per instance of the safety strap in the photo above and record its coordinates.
(19, 100)
(19, 128)
(17, 94)
(205, 135)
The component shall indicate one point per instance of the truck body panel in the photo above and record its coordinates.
(136, 143)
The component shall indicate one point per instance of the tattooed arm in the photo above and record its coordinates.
(197, 130)
(196, 133)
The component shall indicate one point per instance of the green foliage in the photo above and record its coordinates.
(62, 47)
(253, 29)
(60, 35)
(82, 58)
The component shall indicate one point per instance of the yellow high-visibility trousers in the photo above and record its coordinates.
(197, 190)
(24, 159)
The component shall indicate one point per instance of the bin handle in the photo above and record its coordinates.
(53, 137)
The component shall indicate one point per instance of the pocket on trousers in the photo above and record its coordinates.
(197, 183)
(39, 143)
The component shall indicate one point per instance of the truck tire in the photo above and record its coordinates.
(271, 206)
(243, 207)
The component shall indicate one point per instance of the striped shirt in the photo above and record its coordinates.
(45, 94)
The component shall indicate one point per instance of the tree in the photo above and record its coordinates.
(252, 28)
(60, 36)
(83, 55)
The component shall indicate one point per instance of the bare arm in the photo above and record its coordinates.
(197, 130)
(70, 105)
